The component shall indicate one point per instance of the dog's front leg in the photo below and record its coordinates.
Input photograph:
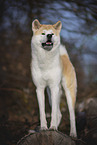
(55, 107)
(41, 102)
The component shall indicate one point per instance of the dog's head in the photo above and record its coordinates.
(46, 36)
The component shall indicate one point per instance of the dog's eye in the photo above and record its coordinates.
(43, 33)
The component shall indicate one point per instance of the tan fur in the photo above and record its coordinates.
(46, 27)
(70, 77)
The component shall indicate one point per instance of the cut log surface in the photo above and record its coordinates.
(46, 138)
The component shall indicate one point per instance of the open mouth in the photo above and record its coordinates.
(48, 45)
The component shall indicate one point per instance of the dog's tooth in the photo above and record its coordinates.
(48, 42)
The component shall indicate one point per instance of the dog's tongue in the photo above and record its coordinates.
(48, 43)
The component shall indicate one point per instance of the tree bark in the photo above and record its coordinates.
(46, 138)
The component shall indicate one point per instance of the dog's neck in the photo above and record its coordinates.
(45, 58)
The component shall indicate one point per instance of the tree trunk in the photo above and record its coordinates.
(46, 138)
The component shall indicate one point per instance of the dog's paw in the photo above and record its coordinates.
(73, 135)
(53, 128)
(43, 128)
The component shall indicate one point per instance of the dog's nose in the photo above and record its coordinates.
(49, 36)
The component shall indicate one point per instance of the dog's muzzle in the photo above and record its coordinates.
(48, 45)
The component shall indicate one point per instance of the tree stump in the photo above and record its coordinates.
(46, 138)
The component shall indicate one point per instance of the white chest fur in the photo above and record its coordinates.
(46, 69)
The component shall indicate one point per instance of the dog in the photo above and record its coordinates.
(51, 67)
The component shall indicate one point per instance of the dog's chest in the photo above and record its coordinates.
(46, 69)
(50, 74)
(46, 61)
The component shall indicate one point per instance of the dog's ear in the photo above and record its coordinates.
(58, 26)
(35, 25)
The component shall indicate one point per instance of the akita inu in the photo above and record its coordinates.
(51, 67)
